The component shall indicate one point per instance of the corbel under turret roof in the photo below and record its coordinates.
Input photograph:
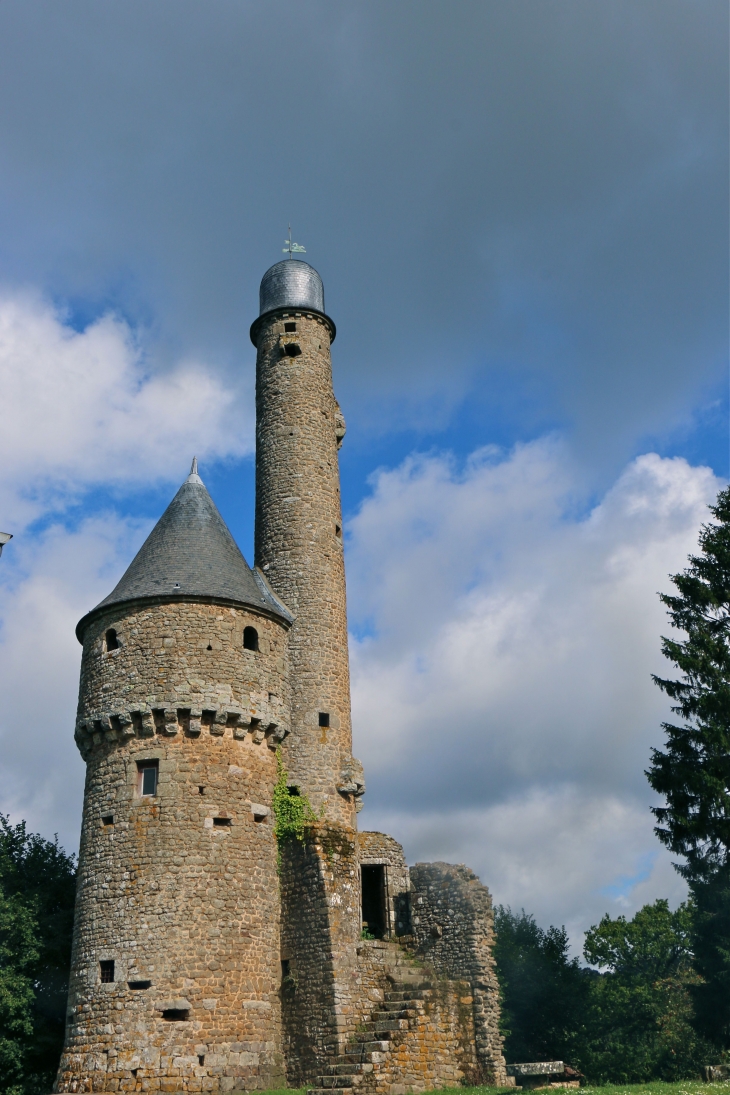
(190, 555)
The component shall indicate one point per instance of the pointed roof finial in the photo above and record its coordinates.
(194, 477)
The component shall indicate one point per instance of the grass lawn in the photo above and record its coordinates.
(657, 1087)
(684, 1087)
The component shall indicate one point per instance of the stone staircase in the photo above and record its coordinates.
(370, 1061)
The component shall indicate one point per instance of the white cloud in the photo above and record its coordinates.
(67, 572)
(82, 409)
(503, 672)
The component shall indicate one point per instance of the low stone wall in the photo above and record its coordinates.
(453, 930)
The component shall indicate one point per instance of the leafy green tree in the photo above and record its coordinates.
(640, 1020)
(544, 991)
(37, 894)
(18, 953)
(693, 771)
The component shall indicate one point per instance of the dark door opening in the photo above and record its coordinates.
(374, 919)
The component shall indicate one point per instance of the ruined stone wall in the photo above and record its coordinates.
(298, 545)
(178, 890)
(379, 848)
(453, 929)
(320, 899)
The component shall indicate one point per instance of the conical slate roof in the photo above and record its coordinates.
(191, 554)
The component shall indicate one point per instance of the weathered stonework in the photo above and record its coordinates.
(453, 928)
(178, 890)
(299, 547)
(205, 958)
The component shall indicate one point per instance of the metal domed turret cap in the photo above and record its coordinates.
(291, 284)
(190, 555)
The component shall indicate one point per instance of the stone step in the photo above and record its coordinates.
(329, 1082)
(400, 1005)
(401, 1013)
(391, 1024)
(372, 1046)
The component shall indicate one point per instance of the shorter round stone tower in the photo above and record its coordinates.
(184, 697)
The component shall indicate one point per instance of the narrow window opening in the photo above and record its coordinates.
(133, 1071)
(108, 819)
(290, 328)
(148, 772)
(220, 822)
(293, 792)
(201, 1058)
(139, 986)
(112, 642)
(173, 1014)
(106, 972)
(209, 647)
(291, 349)
(324, 718)
(338, 532)
(259, 818)
(201, 790)
(250, 638)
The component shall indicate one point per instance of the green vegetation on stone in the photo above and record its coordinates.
(292, 810)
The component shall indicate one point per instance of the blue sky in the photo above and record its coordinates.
(519, 212)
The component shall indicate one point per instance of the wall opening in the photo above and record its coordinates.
(290, 327)
(111, 640)
(173, 1014)
(291, 349)
(148, 771)
(139, 986)
(374, 910)
(250, 638)
(222, 822)
(108, 819)
(106, 971)
(324, 718)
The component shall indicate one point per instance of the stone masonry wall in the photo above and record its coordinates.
(453, 929)
(320, 918)
(179, 890)
(298, 545)
(379, 848)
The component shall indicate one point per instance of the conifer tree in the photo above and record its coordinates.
(693, 770)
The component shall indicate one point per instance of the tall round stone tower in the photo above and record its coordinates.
(298, 543)
(184, 697)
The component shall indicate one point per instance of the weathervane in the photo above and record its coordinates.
(293, 248)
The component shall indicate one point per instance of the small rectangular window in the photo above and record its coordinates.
(324, 718)
(106, 972)
(220, 822)
(108, 819)
(139, 986)
(290, 327)
(148, 771)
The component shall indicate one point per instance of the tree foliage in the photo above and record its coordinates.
(692, 772)
(639, 1025)
(37, 893)
(627, 1021)
(544, 991)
